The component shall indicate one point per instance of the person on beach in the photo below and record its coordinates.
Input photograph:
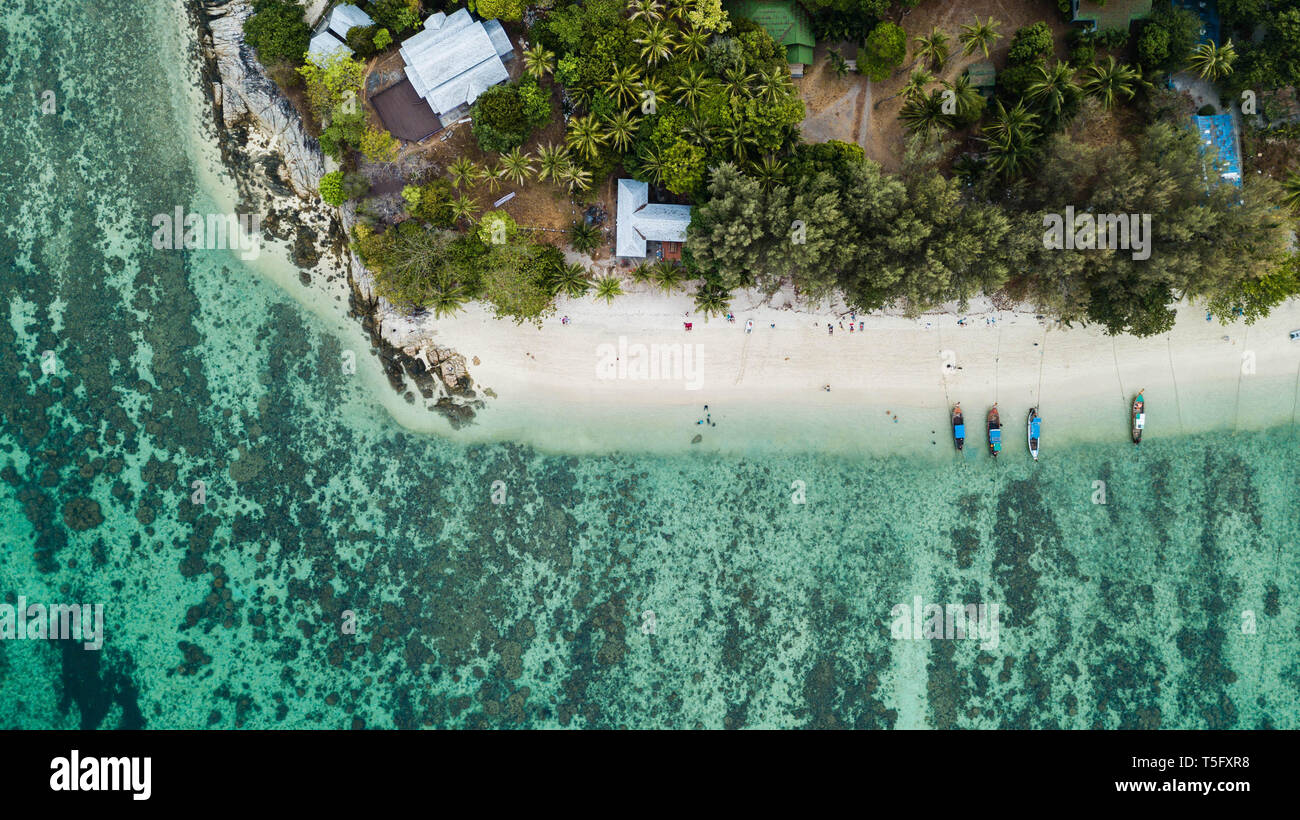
(830, 329)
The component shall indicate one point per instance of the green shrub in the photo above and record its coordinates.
(498, 9)
(395, 15)
(361, 39)
(884, 50)
(331, 189)
(1030, 43)
(1206, 110)
(505, 116)
(277, 31)
(383, 40)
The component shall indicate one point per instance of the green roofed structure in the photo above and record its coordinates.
(1118, 14)
(788, 24)
(983, 76)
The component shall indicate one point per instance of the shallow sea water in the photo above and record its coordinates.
(1173, 604)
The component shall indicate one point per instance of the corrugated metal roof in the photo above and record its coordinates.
(638, 221)
(324, 45)
(345, 17)
(456, 62)
(497, 34)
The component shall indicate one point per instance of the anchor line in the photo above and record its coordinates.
(1178, 404)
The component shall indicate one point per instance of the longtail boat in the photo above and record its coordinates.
(1139, 417)
(958, 427)
(995, 432)
(1032, 426)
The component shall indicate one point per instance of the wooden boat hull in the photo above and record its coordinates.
(958, 429)
(995, 432)
(1032, 431)
(1138, 418)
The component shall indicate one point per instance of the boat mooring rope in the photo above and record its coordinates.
(1042, 354)
(1178, 405)
(1236, 407)
(1123, 397)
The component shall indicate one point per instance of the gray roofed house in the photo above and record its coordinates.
(455, 58)
(332, 38)
(640, 221)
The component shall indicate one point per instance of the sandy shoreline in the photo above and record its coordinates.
(767, 386)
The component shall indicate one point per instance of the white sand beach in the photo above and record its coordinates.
(765, 389)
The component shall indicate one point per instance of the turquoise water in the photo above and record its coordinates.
(1173, 604)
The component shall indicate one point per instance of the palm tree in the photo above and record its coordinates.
(462, 207)
(692, 85)
(1055, 87)
(738, 83)
(837, 62)
(667, 276)
(650, 90)
(492, 178)
(551, 159)
(575, 177)
(692, 44)
(770, 85)
(584, 238)
(516, 166)
(622, 84)
(622, 127)
(652, 165)
(678, 9)
(698, 130)
(656, 44)
(769, 172)
(649, 10)
(643, 273)
(712, 299)
(464, 170)
(1110, 80)
(1291, 191)
(1211, 61)
(1017, 124)
(571, 279)
(979, 36)
(924, 115)
(538, 61)
(966, 97)
(608, 288)
(448, 300)
(1008, 155)
(914, 87)
(739, 140)
(585, 135)
(933, 48)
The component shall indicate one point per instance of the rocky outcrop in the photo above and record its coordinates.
(244, 91)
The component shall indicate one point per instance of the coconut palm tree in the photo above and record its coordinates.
(1109, 81)
(609, 288)
(492, 178)
(770, 171)
(678, 9)
(1291, 191)
(620, 128)
(575, 177)
(462, 207)
(770, 85)
(1211, 61)
(449, 300)
(516, 166)
(649, 91)
(692, 86)
(914, 87)
(933, 48)
(1018, 122)
(585, 135)
(965, 97)
(538, 61)
(464, 171)
(584, 238)
(652, 165)
(979, 36)
(571, 280)
(924, 115)
(551, 159)
(622, 84)
(738, 139)
(1007, 155)
(692, 44)
(652, 11)
(643, 273)
(1053, 87)
(712, 299)
(667, 276)
(698, 130)
(656, 44)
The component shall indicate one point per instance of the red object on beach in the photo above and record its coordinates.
(687, 324)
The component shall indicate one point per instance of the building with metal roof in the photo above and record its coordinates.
(1220, 147)
(640, 221)
(332, 38)
(1109, 14)
(786, 21)
(455, 59)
